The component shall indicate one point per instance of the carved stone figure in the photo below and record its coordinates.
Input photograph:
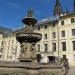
(32, 50)
(27, 50)
(23, 48)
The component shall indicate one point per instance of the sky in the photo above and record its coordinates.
(13, 11)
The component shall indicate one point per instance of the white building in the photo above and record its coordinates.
(9, 47)
(58, 36)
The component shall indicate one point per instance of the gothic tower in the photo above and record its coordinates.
(74, 7)
(58, 9)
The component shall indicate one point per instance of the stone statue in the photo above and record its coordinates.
(32, 49)
(30, 13)
(27, 50)
(23, 48)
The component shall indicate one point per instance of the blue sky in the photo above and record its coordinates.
(13, 11)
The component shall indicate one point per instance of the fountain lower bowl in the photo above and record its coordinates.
(19, 68)
(29, 37)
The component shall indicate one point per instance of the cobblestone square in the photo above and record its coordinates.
(71, 70)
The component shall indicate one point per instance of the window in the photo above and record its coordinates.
(12, 41)
(73, 42)
(54, 35)
(39, 28)
(8, 48)
(12, 48)
(1, 49)
(15, 50)
(0, 56)
(63, 33)
(2, 43)
(62, 22)
(64, 46)
(74, 57)
(54, 46)
(45, 47)
(72, 20)
(5, 42)
(38, 47)
(45, 36)
(53, 24)
(73, 32)
(45, 26)
(9, 42)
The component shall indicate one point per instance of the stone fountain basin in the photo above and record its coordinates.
(29, 37)
(29, 20)
(30, 68)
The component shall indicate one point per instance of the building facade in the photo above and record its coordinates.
(9, 47)
(58, 38)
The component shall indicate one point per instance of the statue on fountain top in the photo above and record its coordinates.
(30, 13)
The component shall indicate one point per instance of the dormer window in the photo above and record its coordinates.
(62, 22)
(72, 20)
(38, 28)
(53, 24)
(45, 26)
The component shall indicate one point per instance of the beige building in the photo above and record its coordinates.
(58, 38)
(9, 47)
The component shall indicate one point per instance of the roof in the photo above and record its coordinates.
(67, 16)
(48, 20)
(4, 30)
(54, 19)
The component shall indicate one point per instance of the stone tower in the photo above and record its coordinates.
(58, 9)
(74, 6)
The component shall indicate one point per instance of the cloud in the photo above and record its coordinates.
(13, 4)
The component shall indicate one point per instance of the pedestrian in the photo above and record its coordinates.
(64, 62)
(66, 66)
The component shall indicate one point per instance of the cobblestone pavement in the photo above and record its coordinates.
(71, 71)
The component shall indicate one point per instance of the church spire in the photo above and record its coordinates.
(74, 6)
(67, 11)
(58, 8)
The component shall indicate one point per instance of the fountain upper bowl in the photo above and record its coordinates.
(28, 37)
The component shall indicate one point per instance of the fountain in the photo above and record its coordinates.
(28, 39)
(28, 64)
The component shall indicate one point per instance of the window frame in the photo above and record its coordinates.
(62, 22)
(38, 28)
(54, 47)
(73, 32)
(45, 26)
(45, 47)
(72, 20)
(64, 46)
(54, 34)
(45, 36)
(73, 45)
(63, 33)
